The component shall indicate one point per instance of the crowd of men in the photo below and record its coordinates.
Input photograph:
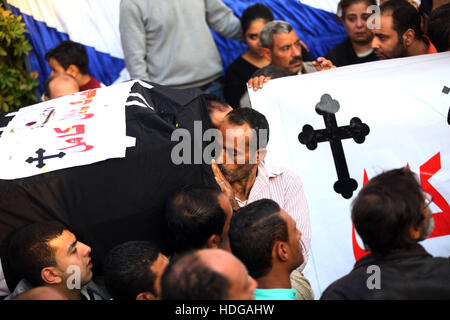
(250, 237)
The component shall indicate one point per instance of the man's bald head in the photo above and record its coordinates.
(207, 274)
(219, 260)
(60, 84)
(41, 293)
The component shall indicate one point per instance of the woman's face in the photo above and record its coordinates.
(251, 36)
(355, 22)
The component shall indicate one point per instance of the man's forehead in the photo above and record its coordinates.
(63, 241)
(386, 23)
(238, 138)
(281, 39)
(228, 128)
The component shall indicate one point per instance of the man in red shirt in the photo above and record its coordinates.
(399, 33)
(71, 58)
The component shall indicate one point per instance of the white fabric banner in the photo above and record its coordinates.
(73, 130)
(404, 103)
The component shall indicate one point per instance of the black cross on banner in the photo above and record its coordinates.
(40, 159)
(327, 107)
(446, 90)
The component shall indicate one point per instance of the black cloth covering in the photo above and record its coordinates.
(116, 200)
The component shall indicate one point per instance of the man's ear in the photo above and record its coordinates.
(73, 71)
(416, 232)
(51, 275)
(146, 296)
(267, 54)
(408, 37)
(261, 154)
(213, 241)
(281, 251)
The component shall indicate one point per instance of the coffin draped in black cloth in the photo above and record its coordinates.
(116, 200)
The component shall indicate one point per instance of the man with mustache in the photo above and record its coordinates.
(244, 177)
(399, 34)
(283, 48)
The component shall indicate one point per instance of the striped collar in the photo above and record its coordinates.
(265, 173)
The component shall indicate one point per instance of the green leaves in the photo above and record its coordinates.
(16, 85)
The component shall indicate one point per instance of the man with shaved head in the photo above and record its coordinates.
(60, 84)
(41, 293)
(207, 274)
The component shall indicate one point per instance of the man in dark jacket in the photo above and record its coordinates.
(391, 214)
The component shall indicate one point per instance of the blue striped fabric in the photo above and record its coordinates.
(316, 27)
(102, 66)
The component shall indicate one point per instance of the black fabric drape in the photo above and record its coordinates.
(116, 200)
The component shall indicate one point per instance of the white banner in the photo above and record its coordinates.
(387, 114)
(70, 131)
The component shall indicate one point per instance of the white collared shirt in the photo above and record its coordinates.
(285, 188)
(4, 291)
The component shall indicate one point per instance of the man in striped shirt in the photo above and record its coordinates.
(244, 177)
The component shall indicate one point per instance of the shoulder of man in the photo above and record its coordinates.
(350, 287)
(308, 67)
(21, 287)
(91, 291)
(279, 172)
(275, 170)
(302, 285)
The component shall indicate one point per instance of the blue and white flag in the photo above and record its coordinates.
(95, 24)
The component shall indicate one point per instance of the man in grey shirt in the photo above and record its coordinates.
(169, 41)
(282, 47)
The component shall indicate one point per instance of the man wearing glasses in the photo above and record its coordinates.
(391, 214)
